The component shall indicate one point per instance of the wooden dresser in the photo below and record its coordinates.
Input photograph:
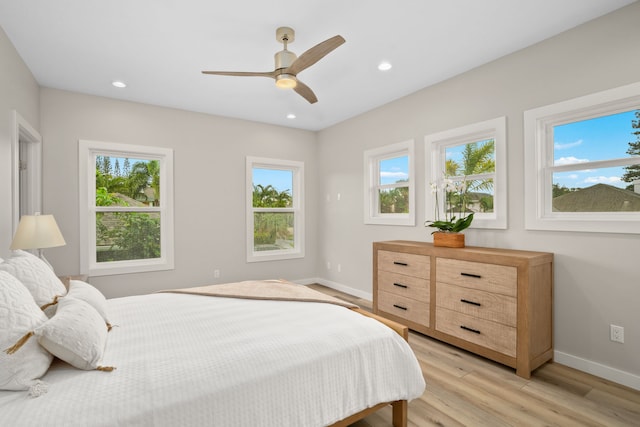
(494, 302)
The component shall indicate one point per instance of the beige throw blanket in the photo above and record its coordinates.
(280, 290)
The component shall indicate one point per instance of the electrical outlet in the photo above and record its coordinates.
(216, 274)
(328, 265)
(339, 268)
(617, 333)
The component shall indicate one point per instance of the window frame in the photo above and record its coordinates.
(539, 166)
(435, 153)
(87, 152)
(372, 159)
(297, 208)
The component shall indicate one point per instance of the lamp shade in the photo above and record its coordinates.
(37, 232)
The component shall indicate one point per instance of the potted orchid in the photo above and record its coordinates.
(448, 230)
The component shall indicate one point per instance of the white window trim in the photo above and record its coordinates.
(297, 193)
(435, 146)
(372, 160)
(86, 155)
(538, 139)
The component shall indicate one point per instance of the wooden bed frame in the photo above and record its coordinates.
(399, 407)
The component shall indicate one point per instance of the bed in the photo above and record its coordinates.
(193, 360)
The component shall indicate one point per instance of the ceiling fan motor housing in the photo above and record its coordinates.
(284, 59)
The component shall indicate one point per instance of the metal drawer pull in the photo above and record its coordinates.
(477, 276)
(466, 301)
(466, 328)
(400, 285)
(400, 263)
(401, 307)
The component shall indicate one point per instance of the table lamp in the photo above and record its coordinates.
(37, 232)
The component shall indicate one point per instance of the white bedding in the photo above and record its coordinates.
(188, 360)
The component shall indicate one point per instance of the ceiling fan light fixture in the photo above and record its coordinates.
(286, 81)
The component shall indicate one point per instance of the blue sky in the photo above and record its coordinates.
(281, 180)
(602, 138)
(394, 170)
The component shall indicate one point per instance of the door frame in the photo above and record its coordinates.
(24, 133)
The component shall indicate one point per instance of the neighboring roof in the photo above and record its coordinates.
(598, 198)
(150, 194)
(130, 201)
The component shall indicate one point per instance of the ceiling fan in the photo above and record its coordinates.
(288, 65)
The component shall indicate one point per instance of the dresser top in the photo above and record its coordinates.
(497, 255)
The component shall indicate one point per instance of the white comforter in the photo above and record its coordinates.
(188, 360)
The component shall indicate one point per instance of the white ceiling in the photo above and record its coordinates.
(159, 47)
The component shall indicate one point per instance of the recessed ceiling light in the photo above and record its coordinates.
(291, 116)
(384, 66)
(119, 84)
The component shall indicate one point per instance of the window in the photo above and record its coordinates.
(476, 155)
(275, 214)
(389, 184)
(126, 208)
(583, 163)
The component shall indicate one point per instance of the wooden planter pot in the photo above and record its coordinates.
(448, 240)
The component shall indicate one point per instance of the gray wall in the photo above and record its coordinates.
(209, 185)
(19, 92)
(596, 275)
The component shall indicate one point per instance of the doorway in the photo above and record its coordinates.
(27, 169)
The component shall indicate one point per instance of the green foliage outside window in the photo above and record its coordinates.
(395, 200)
(127, 235)
(272, 230)
(477, 158)
(632, 172)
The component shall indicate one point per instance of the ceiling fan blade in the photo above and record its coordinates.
(305, 91)
(271, 74)
(315, 54)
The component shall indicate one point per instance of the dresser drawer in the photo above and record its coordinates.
(486, 277)
(484, 305)
(406, 286)
(415, 311)
(492, 335)
(402, 263)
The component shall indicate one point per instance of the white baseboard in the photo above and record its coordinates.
(338, 287)
(612, 374)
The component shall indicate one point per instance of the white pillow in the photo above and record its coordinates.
(35, 275)
(87, 293)
(19, 315)
(76, 334)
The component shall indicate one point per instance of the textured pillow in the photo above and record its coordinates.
(87, 293)
(35, 275)
(19, 315)
(76, 334)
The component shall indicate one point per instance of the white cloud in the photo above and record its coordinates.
(603, 180)
(569, 161)
(396, 175)
(565, 145)
(572, 176)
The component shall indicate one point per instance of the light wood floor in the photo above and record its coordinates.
(467, 390)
